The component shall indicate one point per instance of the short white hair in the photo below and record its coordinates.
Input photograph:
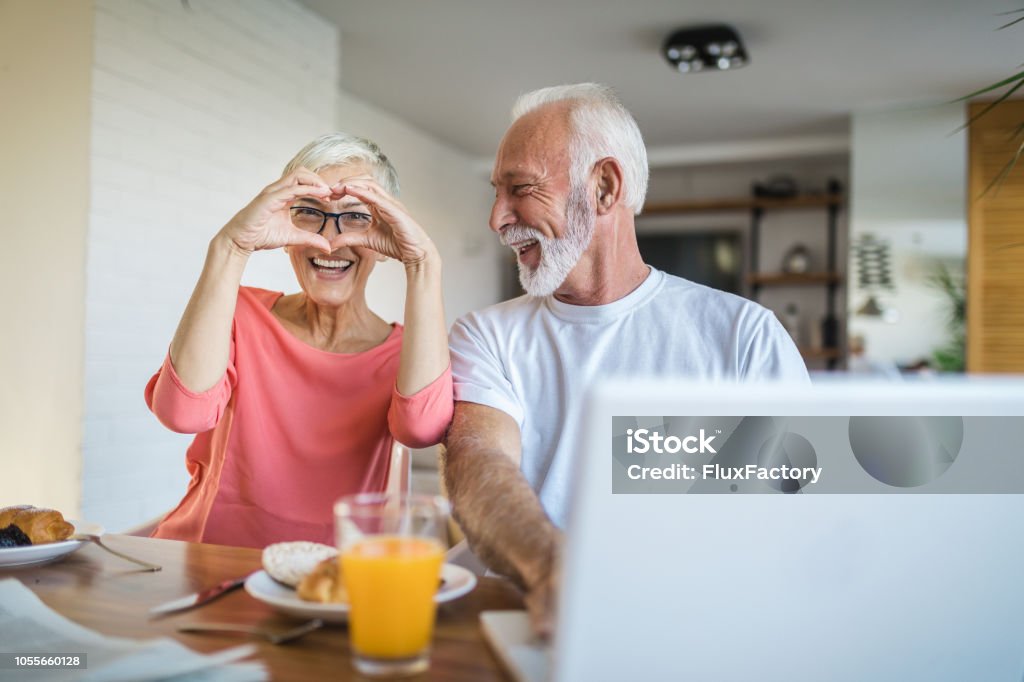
(342, 149)
(601, 127)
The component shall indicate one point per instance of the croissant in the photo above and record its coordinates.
(40, 525)
(324, 584)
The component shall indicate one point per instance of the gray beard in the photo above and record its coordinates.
(559, 255)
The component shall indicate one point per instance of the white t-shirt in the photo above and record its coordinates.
(534, 359)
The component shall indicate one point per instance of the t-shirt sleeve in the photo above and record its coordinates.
(479, 375)
(421, 419)
(182, 410)
(771, 354)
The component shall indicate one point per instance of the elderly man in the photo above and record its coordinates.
(569, 176)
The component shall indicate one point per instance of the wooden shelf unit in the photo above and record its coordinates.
(829, 278)
(819, 353)
(742, 204)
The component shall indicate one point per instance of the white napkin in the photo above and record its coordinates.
(28, 626)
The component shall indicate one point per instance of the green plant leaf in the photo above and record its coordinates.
(951, 357)
(1015, 21)
(995, 86)
(1016, 133)
(992, 105)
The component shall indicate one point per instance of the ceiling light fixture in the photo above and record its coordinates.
(701, 48)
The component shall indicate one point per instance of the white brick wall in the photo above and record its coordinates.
(194, 110)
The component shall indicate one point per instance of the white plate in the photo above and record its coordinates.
(51, 551)
(457, 582)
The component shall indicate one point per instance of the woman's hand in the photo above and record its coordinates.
(392, 233)
(266, 222)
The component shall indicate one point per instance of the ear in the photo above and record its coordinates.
(609, 184)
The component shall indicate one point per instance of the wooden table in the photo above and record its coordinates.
(102, 592)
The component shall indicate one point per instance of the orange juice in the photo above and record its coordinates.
(391, 583)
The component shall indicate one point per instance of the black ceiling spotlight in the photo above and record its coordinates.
(710, 47)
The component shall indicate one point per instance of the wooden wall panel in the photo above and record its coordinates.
(995, 259)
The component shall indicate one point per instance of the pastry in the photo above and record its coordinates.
(40, 525)
(324, 584)
(290, 562)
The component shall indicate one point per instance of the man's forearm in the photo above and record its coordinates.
(498, 511)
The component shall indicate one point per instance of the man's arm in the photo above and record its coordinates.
(498, 511)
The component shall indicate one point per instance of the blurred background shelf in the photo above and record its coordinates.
(819, 353)
(742, 204)
(770, 279)
(831, 327)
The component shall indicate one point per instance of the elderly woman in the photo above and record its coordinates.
(297, 399)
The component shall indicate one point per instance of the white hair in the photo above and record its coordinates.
(341, 149)
(601, 127)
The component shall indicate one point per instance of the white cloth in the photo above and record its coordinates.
(534, 359)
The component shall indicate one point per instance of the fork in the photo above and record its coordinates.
(272, 636)
(95, 539)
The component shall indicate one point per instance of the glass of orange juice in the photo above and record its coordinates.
(391, 548)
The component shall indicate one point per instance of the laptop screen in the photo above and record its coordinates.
(878, 568)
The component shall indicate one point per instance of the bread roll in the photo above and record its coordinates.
(324, 584)
(290, 562)
(40, 525)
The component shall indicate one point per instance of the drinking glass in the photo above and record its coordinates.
(392, 549)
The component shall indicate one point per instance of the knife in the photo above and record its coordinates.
(199, 598)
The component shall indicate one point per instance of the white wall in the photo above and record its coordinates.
(909, 188)
(45, 52)
(445, 191)
(195, 109)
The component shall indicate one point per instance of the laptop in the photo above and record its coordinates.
(902, 559)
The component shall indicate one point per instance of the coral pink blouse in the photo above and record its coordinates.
(288, 430)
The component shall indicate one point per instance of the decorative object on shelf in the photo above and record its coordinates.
(776, 187)
(797, 260)
(871, 307)
(872, 258)
(710, 47)
(873, 266)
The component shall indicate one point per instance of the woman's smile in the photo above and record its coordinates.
(331, 267)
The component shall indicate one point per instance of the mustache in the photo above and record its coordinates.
(518, 233)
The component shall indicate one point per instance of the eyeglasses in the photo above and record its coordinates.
(313, 219)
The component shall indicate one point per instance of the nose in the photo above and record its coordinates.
(501, 213)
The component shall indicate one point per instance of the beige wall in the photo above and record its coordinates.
(45, 61)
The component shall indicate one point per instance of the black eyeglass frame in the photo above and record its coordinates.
(324, 215)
